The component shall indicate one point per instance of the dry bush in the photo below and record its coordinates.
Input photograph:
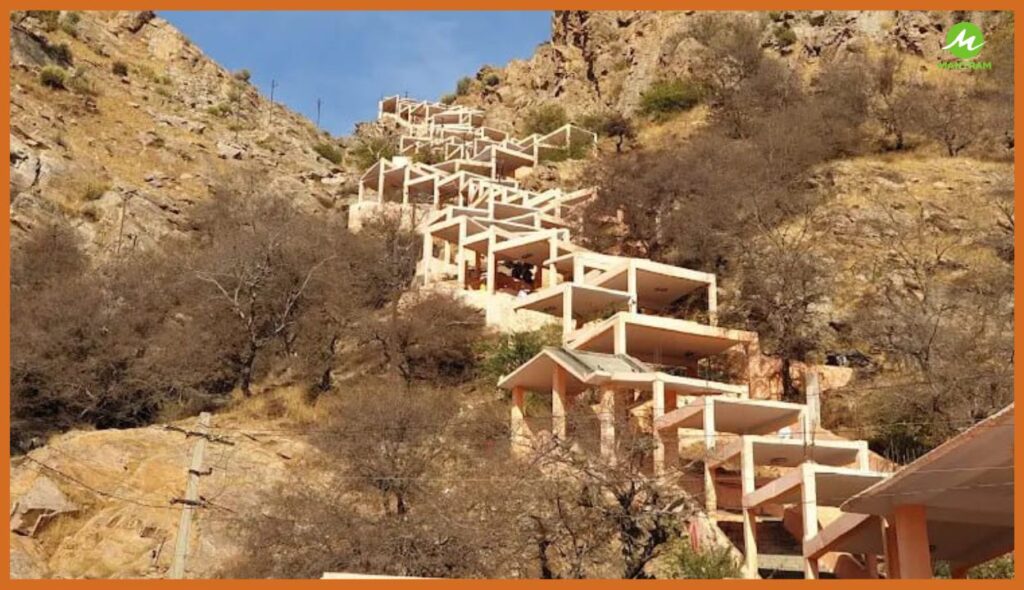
(432, 338)
(257, 266)
(259, 289)
(948, 338)
(410, 490)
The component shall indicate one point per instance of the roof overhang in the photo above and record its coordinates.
(587, 301)
(966, 480)
(736, 416)
(659, 340)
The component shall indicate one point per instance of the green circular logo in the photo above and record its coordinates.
(964, 40)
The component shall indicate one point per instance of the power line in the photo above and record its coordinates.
(97, 491)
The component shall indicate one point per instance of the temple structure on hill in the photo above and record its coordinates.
(791, 496)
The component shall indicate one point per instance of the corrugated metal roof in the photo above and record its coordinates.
(585, 363)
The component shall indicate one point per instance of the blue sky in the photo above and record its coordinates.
(350, 59)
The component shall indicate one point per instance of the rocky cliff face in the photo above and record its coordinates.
(605, 60)
(142, 126)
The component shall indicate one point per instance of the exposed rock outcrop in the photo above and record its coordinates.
(138, 97)
(604, 60)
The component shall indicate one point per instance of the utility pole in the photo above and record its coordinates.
(317, 113)
(191, 500)
(273, 85)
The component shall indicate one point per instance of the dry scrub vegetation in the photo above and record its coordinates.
(747, 195)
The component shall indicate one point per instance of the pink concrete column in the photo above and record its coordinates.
(559, 403)
(520, 430)
(912, 549)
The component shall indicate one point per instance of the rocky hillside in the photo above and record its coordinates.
(99, 504)
(119, 124)
(604, 60)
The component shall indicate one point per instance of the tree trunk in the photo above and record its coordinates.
(789, 392)
(247, 365)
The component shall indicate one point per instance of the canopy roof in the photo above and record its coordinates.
(736, 416)
(791, 452)
(586, 300)
(589, 369)
(659, 340)
(657, 285)
(968, 479)
(833, 486)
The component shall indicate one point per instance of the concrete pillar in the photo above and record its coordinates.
(812, 396)
(428, 255)
(520, 430)
(362, 191)
(864, 457)
(578, 272)
(492, 266)
(666, 441)
(713, 302)
(380, 181)
(560, 403)
(892, 558)
(552, 253)
(747, 482)
(568, 321)
(710, 495)
(912, 548)
(809, 510)
(619, 334)
(871, 563)
(405, 186)
(752, 350)
(460, 253)
(631, 287)
(611, 408)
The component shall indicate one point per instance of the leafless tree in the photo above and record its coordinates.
(433, 337)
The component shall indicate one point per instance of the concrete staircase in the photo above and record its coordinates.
(509, 251)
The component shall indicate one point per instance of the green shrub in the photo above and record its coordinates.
(220, 110)
(94, 190)
(81, 84)
(507, 352)
(60, 52)
(368, 150)
(593, 122)
(448, 98)
(614, 125)
(50, 19)
(576, 151)
(545, 119)
(330, 152)
(119, 68)
(492, 79)
(53, 77)
(69, 28)
(427, 155)
(785, 36)
(712, 563)
(1000, 568)
(242, 75)
(463, 86)
(669, 96)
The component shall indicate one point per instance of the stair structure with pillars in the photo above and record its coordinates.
(486, 235)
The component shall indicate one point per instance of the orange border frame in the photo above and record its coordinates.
(722, 5)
